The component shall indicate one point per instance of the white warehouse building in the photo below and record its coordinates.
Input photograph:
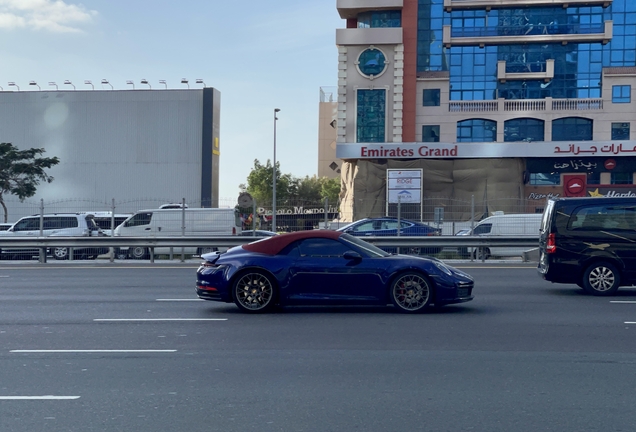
(140, 148)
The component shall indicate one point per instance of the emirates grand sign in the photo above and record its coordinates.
(485, 150)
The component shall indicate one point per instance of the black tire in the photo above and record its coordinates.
(477, 253)
(601, 279)
(411, 292)
(120, 254)
(61, 253)
(254, 291)
(138, 252)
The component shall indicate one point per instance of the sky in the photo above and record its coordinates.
(259, 55)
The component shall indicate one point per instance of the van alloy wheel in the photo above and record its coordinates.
(601, 279)
(139, 252)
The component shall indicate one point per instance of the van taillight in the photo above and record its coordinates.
(233, 230)
(550, 246)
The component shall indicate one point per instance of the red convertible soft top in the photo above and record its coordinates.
(274, 244)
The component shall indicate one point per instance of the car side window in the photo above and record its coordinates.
(366, 226)
(28, 224)
(390, 225)
(321, 248)
(139, 219)
(612, 218)
(482, 229)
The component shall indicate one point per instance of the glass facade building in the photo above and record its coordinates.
(542, 88)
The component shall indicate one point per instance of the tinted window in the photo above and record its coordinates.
(482, 229)
(322, 248)
(430, 133)
(28, 224)
(431, 97)
(368, 247)
(600, 217)
(139, 219)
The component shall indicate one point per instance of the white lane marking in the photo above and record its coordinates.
(94, 351)
(4, 276)
(178, 300)
(630, 322)
(157, 319)
(622, 301)
(49, 397)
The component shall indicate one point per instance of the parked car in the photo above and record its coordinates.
(104, 220)
(590, 242)
(387, 226)
(325, 267)
(59, 225)
(258, 233)
(5, 226)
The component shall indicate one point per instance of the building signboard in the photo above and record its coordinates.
(404, 185)
(538, 149)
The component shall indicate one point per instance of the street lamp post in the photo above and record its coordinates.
(276, 111)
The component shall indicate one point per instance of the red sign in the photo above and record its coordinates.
(610, 164)
(574, 185)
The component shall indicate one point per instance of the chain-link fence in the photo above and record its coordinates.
(295, 215)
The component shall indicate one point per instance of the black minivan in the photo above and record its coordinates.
(590, 242)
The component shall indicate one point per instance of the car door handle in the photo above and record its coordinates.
(146, 229)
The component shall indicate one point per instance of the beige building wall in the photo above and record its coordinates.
(328, 165)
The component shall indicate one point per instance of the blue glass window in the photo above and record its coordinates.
(371, 116)
(572, 129)
(388, 18)
(594, 178)
(621, 178)
(545, 179)
(621, 94)
(620, 131)
(430, 133)
(371, 62)
(524, 129)
(477, 130)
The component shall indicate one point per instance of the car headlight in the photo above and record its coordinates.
(443, 268)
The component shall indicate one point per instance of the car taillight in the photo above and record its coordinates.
(550, 246)
(208, 264)
(432, 233)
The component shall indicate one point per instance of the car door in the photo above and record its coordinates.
(321, 274)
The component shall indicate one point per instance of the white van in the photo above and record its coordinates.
(516, 225)
(199, 222)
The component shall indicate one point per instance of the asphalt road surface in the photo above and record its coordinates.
(129, 348)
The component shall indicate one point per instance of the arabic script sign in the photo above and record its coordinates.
(539, 149)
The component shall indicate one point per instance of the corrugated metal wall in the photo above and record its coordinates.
(131, 145)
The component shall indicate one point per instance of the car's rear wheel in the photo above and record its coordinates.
(139, 252)
(481, 253)
(601, 279)
(411, 292)
(254, 291)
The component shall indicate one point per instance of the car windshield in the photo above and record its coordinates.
(367, 247)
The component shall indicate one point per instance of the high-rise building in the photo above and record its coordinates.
(519, 99)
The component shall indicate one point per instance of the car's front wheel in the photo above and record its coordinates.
(254, 291)
(601, 279)
(60, 253)
(481, 253)
(411, 292)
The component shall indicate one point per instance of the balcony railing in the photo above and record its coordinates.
(502, 35)
(524, 105)
(449, 5)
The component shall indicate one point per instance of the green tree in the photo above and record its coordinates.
(288, 187)
(21, 171)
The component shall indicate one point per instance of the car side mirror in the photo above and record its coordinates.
(352, 255)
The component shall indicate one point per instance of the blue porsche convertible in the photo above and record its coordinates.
(324, 267)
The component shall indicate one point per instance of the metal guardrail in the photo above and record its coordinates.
(229, 241)
(43, 243)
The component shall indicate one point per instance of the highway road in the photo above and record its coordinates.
(110, 347)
